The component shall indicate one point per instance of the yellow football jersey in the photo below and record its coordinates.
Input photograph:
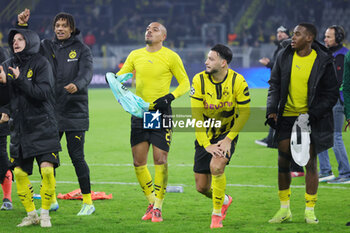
(219, 101)
(299, 78)
(154, 72)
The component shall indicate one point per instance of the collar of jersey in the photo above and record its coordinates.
(212, 81)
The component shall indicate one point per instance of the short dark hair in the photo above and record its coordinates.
(66, 16)
(339, 33)
(223, 51)
(310, 28)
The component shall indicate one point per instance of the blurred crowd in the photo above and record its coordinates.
(122, 22)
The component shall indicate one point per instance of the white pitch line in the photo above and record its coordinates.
(178, 165)
(292, 186)
(186, 185)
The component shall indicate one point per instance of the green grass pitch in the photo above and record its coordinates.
(251, 180)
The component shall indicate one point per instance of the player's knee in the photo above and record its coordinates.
(159, 161)
(283, 159)
(139, 163)
(46, 171)
(216, 169)
(311, 166)
(19, 173)
(160, 157)
(139, 160)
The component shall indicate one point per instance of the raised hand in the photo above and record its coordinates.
(15, 71)
(23, 17)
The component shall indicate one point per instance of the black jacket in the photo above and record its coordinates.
(339, 53)
(32, 118)
(71, 61)
(322, 93)
(4, 98)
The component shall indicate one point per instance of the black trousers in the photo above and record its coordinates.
(75, 145)
(4, 159)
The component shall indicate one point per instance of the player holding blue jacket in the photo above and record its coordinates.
(155, 66)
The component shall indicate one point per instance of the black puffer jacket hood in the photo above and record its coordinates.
(32, 41)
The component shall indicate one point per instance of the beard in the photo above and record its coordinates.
(149, 42)
(213, 71)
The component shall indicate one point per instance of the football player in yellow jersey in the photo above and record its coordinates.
(222, 94)
(155, 66)
(303, 81)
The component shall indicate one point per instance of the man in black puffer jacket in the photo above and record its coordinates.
(282, 35)
(5, 172)
(303, 81)
(71, 61)
(33, 126)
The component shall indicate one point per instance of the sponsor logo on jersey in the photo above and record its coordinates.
(217, 106)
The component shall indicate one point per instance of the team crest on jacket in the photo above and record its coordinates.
(30, 73)
(72, 54)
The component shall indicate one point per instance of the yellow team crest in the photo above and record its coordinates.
(72, 54)
(225, 92)
(30, 73)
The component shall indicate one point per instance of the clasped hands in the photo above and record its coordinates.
(221, 148)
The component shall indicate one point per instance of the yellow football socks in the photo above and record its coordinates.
(24, 189)
(219, 186)
(47, 190)
(54, 198)
(160, 183)
(145, 181)
(284, 196)
(87, 199)
(310, 200)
